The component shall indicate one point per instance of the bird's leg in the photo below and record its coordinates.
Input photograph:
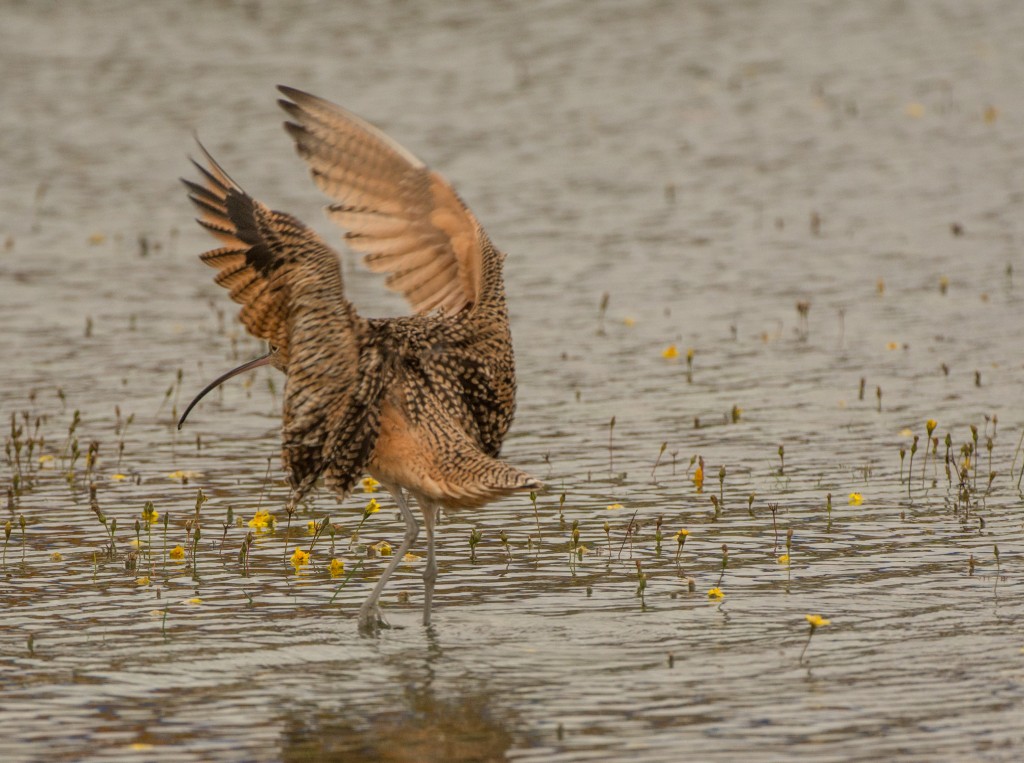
(370, 616)
(430, 571)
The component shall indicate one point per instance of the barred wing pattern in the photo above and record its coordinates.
(408, 220)
(290, 287)
(411, 224)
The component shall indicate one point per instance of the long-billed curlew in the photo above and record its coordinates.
(422, 403)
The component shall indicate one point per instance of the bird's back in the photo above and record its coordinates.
(449, 402)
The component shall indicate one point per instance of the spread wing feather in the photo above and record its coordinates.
(406, 219)
(290, 287)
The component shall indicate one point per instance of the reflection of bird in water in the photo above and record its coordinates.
(421, 402)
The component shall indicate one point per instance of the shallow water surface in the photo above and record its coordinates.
(820, 200)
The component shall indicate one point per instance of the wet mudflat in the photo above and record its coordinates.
(820, 201)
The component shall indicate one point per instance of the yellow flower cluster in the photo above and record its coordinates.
(817, 621)
(337, 567)
(856, 499)
(299, 559)
(716, 593)
(370, 485)
(177, 553)
(262, 520)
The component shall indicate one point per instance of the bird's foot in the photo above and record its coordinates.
(371, 620)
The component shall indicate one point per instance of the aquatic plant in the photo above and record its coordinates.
(475, 536)
(815, 622)
(681, 537)
(299, 559)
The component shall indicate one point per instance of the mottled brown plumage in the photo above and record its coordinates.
(422, 403)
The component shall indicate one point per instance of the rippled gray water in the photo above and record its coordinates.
(708, 166)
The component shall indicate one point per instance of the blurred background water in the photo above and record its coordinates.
(708, 166)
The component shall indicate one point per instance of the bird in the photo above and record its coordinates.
(420, 402)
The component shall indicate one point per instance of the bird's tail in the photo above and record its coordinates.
(471, 479)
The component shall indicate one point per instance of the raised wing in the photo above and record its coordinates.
(290, 287)
(406, 219)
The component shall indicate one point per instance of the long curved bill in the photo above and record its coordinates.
(261, 361)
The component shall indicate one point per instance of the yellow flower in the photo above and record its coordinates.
(118, 477)
(698, 479)
(930, 425)
(670, 352)
(57, 556)
(183, 476)
(715, 593)
(193, 600)
(262, 520)
(681, 535)
(149, 514)
(144, 580)
(856, 499)
(371, 508)
(337, 567)
(299, 558)
(177, 553)
(614, 506)
(906, 432)
(817, 621)
(370, 485)
(383, 548)
(311, 527)
(44, 460)
(411, 557)
(784, 559)
(892, 346)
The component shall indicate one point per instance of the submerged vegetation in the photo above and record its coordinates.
(730, 549)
